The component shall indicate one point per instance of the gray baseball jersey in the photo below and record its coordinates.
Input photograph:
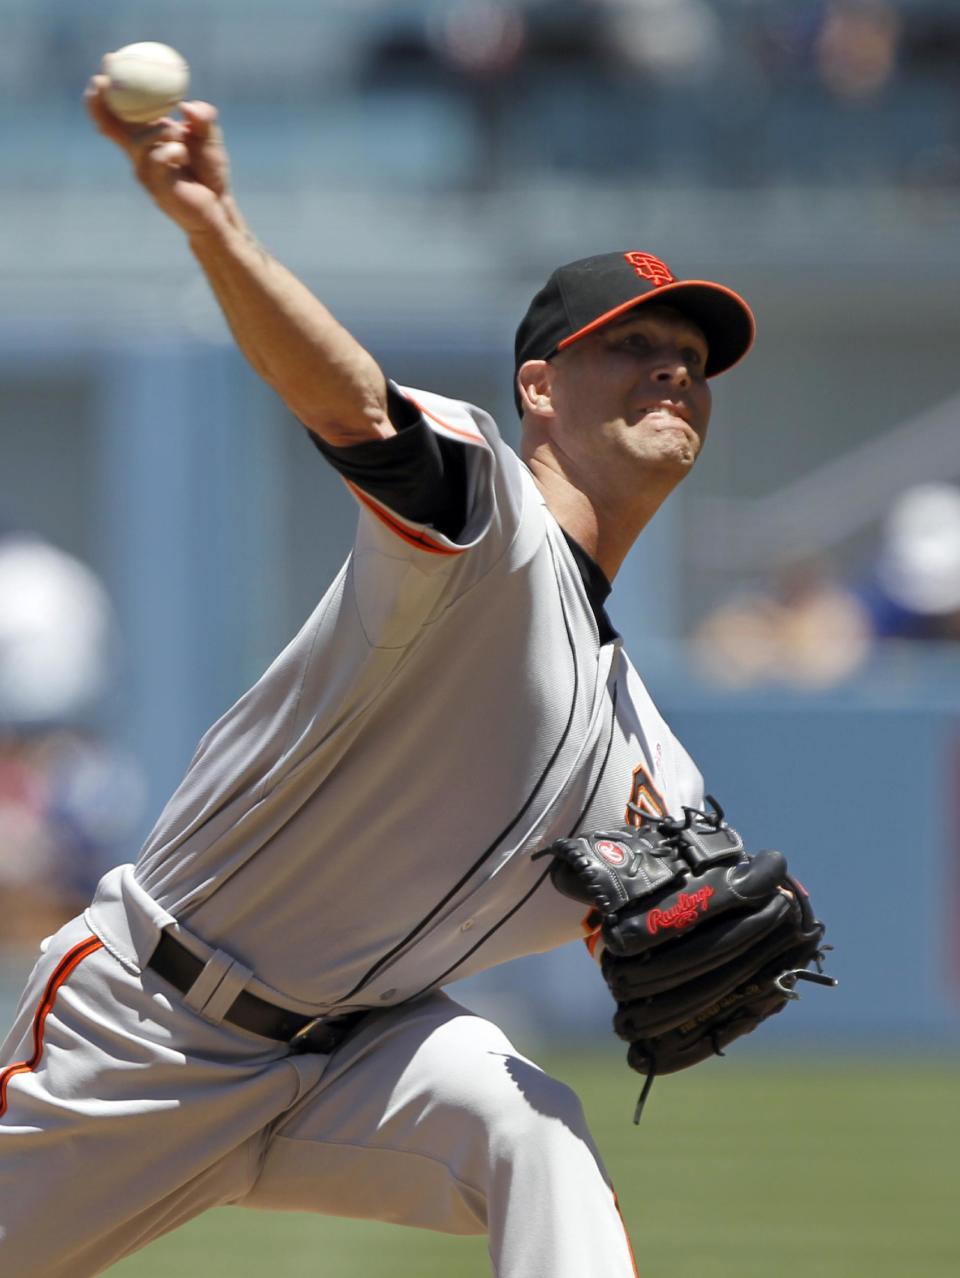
(359, 826)
(356, 830)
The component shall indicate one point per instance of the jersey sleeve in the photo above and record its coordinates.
(417, 473)
(404, 570)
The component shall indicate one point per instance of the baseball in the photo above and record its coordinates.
(146, 81)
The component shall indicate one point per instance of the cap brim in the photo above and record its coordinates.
(725, 318)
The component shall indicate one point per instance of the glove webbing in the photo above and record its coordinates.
(785, 982)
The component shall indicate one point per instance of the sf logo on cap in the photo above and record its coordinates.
(650, 268)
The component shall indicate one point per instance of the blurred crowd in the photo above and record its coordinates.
(808, 627)
(69, 799)
(728, 92)
(850, 48)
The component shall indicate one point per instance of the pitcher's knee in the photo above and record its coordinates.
(539, 1110)
(513, 1104)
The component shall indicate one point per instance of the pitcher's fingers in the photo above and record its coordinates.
(110, 125)
(208, 155)
(131, 137)
(173, 154)
(156, 162)
(202, 118)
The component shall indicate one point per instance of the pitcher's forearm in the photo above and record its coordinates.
(322, 373)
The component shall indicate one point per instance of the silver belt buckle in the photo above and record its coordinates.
(301, 1041)
(307, 1039)
(306, 1029)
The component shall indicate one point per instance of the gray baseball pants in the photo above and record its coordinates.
(124, 1112)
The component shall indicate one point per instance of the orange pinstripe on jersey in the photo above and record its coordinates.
(72, 959)
(473, 435)
(413, 538)
(416, 538)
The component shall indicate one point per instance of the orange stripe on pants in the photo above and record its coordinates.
(72, 959)
(629, 1244)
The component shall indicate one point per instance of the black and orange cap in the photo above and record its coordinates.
(585, 295)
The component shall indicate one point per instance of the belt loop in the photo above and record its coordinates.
(213, 993)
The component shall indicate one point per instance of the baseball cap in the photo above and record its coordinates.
(583, 296)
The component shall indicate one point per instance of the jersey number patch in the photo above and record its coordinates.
(645, 796)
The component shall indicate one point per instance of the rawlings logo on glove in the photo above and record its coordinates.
(683, 913)
(702, 940)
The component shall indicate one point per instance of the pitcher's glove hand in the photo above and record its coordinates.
(701, 940)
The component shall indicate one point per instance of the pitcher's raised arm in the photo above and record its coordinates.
(325, 377)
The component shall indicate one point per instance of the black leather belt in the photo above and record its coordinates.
(174, 962)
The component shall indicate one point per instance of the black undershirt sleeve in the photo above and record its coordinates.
(416, 472)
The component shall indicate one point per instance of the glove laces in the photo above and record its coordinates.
(642, 1098)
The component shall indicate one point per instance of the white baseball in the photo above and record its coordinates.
(146, 81)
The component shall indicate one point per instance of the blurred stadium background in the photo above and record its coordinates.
(165, 526)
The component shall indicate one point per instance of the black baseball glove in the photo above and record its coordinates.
(701, 940)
